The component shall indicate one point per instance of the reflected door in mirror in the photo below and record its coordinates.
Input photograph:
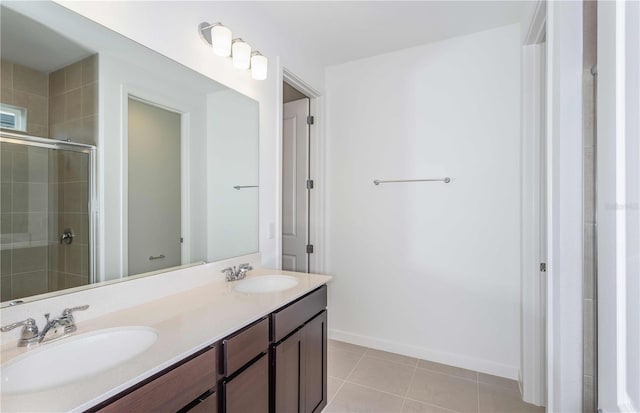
(154, 210)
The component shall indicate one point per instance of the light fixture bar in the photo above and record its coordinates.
(219, 38)
(204, 30)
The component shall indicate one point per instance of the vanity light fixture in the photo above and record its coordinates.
(218, 36)
(220, 39)
(259, 65)
(241, 54)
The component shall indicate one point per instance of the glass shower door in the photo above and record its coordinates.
(45, 210)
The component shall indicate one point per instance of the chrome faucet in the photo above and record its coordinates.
(54, 328)
(234, 274)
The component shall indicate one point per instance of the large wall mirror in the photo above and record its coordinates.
(115, 160)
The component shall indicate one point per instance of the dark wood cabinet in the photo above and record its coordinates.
(292, 316)
(245, 366)
(299, 361)
(286, 364)
(171, 390)
(314, 345)
(248, 391)
(277, 364)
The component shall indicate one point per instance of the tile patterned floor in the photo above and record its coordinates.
(367, 380)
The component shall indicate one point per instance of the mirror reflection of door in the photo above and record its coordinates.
(154, 208)
(295, 168)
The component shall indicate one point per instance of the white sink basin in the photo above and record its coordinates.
(74, 358)
(265, 284)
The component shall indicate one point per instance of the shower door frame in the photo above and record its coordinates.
(90, 150)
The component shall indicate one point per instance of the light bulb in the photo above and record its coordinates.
(241, 54)
(221, 40)
(259, 66)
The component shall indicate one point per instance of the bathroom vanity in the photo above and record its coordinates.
(217, 350)
(285, 352)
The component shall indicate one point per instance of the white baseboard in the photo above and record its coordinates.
(456, 360)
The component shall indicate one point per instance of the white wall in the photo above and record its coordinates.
(232, 160)
(428, 269)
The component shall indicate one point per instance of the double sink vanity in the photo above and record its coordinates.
(252, 345)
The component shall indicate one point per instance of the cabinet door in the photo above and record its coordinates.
(248, 391)
(300, 369)
(314, 344)
(287, 357)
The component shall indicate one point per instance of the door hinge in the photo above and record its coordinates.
(181, 240)
(309, 183)
(309, 248)
(543, 267)
(310, 120)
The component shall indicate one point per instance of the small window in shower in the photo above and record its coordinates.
(13, 117)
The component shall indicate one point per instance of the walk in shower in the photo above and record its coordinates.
(47, 230)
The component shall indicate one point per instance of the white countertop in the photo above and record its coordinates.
(186, 322)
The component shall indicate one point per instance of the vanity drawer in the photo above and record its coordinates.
(244, 346)
(287, 319)
(173, 389)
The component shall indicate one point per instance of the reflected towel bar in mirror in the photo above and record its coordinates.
(239, 187)
(446, 180)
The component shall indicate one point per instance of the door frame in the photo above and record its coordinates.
(565, 257)
(618, 210)
(162, 102)
(532, 375)
(557, 311)
(316, 235)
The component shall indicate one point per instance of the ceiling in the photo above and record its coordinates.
(340, 31)
(326, 32)
(29, 43)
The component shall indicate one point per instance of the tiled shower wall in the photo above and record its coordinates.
(73, 108)
(74, 115)
(24, 230)
(44, 191)
(589, 231)
(27, 88)
(69, 263)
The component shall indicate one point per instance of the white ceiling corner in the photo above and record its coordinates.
(340, 31)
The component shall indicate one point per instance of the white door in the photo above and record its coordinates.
(534, 234)
(154, 211)
(295, 198)
(618, 203)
